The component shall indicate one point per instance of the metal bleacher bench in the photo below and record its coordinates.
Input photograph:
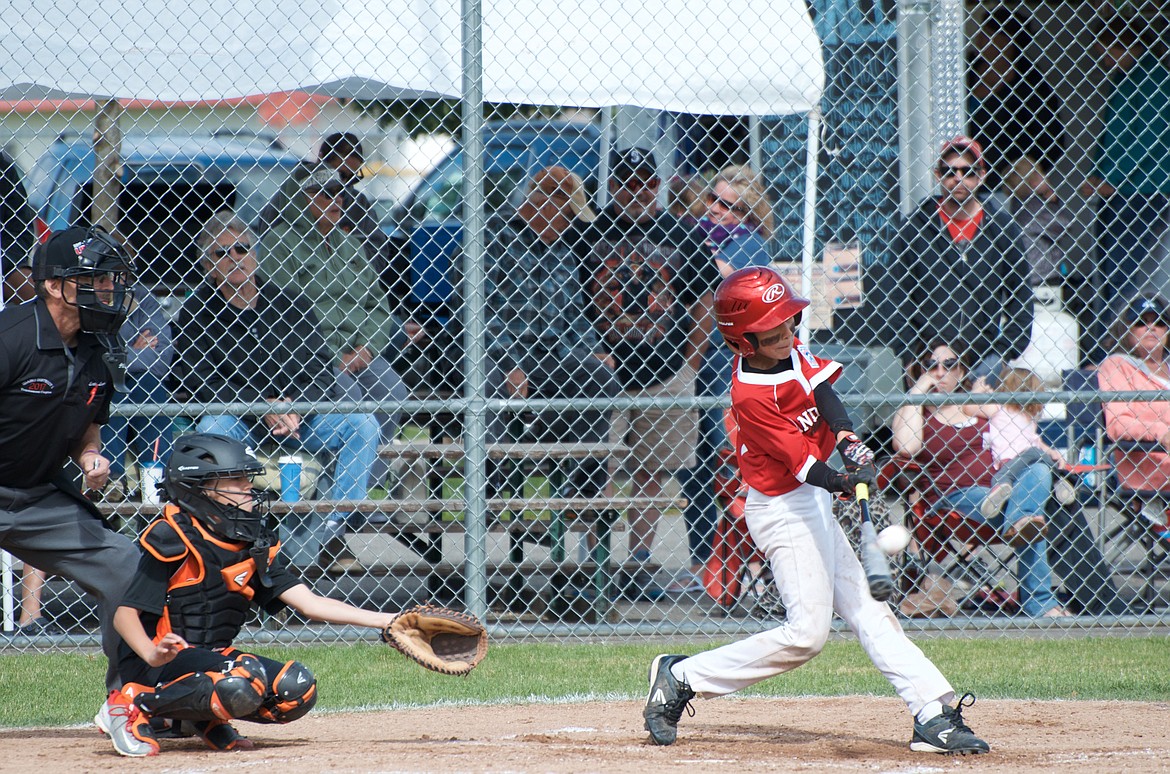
(420, 523)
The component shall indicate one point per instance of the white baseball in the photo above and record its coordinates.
(893, 539)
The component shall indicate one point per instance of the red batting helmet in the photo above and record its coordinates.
(754, 300)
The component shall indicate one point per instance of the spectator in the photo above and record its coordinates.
(686, 198)
(736, 223)
(243, 339)
(538, 328)
(311, 253)
(1014, 435)
(32, 622)
(147, 336)
(1014, 112)
(738, 219)
(16, 235)
(959, 465)
(342, 151)
(955, 271)
(651, 283)
(1139, 362)
(1132, 169)
(1044, 224)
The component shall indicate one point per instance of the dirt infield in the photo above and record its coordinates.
(816, 734)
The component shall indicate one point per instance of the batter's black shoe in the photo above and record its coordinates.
(948, 734)
(667, 699)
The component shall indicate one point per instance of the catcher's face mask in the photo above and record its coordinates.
(235, 510)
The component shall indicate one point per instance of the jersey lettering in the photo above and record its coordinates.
(808, 418)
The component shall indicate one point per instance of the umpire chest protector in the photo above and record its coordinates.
(210, 595)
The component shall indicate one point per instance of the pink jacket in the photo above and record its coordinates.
(1142, 421)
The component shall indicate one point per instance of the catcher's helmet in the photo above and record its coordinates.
(90, 252)
(751, 301)
(197, 459)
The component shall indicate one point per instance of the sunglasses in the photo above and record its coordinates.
(240, 249)
(332, 191)
(946, 171)
(739, 208)
(948, 363)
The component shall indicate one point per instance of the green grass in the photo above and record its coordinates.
(55, 689)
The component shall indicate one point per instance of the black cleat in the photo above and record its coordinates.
(667, 699)
(948, 734)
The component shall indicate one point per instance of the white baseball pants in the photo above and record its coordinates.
(817, 572)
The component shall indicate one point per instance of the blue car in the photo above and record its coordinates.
(430, 218)
(171, 184)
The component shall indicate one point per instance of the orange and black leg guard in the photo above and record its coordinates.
(292, 693)
(237, 690)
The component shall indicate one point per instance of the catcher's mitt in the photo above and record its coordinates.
(438, 638)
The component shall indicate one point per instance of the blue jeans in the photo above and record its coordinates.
(351, 438)
(698, 482)
(151, 433)
(1028, 498)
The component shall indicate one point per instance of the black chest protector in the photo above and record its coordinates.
(210, 595)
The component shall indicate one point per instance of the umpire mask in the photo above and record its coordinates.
(100, 269)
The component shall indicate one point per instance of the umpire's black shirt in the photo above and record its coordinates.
(49, 394)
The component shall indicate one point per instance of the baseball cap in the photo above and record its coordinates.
(633, 162)
(79, 250)
(340, 144)
(558, 181)
(323, 178)
(962, 144)
(1143, 305)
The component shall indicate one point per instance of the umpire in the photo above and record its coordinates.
(56, 381)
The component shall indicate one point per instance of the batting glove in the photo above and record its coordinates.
(855, 453)
(846, 483)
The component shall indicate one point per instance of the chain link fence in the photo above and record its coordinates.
(472, 337)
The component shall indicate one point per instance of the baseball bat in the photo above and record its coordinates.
(873, 561)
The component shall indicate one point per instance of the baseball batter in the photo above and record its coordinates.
(789, 420)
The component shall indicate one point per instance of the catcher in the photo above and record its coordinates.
(205, 561)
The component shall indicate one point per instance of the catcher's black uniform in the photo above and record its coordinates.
(202, 587)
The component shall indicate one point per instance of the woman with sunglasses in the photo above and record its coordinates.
(736, 226)
(1139, 362)
(959, 466)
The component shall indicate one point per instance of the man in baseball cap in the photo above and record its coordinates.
(650, 281)
(956, 271)
(323, 179)
(633, 162)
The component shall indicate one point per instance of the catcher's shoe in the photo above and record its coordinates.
(666, 701)
(126, 726)
(948, 734)
(219, 735)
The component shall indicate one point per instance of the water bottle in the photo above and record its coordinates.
(152, 476)
(290, 478)
(1089, 457)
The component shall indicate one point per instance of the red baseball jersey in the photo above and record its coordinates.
(780, 430)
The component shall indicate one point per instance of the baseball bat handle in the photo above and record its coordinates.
(862, 495)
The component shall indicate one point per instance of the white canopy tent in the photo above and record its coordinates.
(748, 57)
(757, 57)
